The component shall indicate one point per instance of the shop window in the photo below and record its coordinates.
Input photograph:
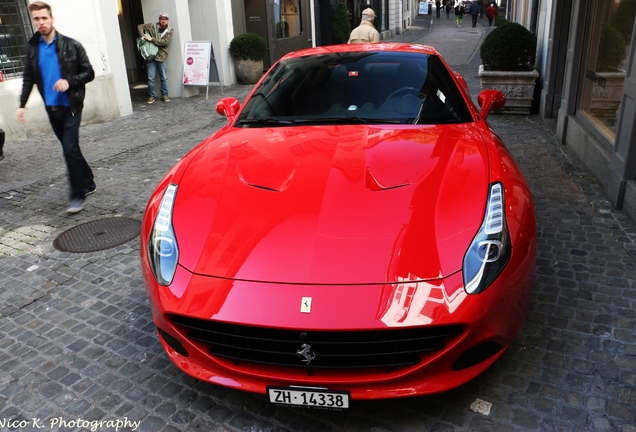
(15, 30)
(609, 28)
(288, 16)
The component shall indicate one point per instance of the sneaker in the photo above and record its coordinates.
(2, 157)
(150, 100)
(166, 98)
(90, 191)
(76, 206)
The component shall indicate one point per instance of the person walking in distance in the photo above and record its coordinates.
(474, 12)
(459, 14)
(365, 32)
(438, 5)
(490, 14)
(159, 34)
(59, 67)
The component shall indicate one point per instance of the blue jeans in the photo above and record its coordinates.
(66, 127)
(151, 69)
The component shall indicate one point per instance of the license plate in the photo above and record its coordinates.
(309, 397)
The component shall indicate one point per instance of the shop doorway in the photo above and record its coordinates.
(285, 25)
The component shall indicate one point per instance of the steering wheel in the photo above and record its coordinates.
(405, 90)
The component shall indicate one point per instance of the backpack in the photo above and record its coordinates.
(147, 49)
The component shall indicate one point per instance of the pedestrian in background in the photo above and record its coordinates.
(159, 34)
(59, 67)
(474, 12)
(438, 5)
(490, 14)
(459, 14)
(365, 32)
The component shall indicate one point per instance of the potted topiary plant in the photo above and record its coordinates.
(500, 20)
(607, 90)
(508, 55)
(248, 51)
(340, 25)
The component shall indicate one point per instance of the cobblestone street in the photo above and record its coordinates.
(79, 351)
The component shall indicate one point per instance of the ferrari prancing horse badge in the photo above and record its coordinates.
(305, 305)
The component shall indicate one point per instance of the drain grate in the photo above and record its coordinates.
(97, 235)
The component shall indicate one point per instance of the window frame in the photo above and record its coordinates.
(16, 29)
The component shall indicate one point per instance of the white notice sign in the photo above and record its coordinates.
(196, 66)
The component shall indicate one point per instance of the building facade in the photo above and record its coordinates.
(95, 25)
(587, 89)
(108, 31)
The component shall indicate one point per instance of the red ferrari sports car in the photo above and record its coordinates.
(356, 231)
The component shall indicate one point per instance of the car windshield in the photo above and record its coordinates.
(356, 88)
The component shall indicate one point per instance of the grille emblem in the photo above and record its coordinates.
(305, 351)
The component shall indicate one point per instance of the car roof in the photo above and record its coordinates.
(371, 47)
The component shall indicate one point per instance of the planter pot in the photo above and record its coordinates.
(248, 71)
(517, 86)
(607, 93)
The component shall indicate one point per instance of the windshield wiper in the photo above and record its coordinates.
(264, 121)
(347, 120)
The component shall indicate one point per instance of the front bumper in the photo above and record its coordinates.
(489, 320)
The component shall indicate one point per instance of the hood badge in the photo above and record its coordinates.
(305, 351)
(305, 305)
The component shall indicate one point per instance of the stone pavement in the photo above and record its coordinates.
(78, 350)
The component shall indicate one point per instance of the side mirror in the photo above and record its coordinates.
(490, 100)
(228, 107)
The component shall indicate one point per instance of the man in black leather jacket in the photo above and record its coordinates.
(59, 67)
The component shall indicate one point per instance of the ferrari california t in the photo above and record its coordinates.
(356, 231)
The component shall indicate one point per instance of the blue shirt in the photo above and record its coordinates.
(50, 72)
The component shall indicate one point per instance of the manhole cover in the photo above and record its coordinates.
(97, 235)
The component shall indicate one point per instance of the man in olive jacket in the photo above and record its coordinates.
(159, 34)
(59, 67)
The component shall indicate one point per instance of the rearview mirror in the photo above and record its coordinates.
(490, 100)
(228, 107)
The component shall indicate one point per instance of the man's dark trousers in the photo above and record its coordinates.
(66, 128)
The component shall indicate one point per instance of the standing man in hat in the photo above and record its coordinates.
(59, 67)
(365, 32)
(159, 34)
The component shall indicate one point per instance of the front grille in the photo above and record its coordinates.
(389, 348)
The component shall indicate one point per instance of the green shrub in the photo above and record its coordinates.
(500, 20)
(341, 27)
(509, 47)
(623, 18)
(282, 29)
(248, 46)
(611, 51)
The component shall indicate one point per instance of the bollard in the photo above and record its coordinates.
(1, 144)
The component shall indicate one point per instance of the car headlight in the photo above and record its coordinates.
(489, 251)
(163, 251)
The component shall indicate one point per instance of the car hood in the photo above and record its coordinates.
(332, 205)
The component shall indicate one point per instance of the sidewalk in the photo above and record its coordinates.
(76, 334)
